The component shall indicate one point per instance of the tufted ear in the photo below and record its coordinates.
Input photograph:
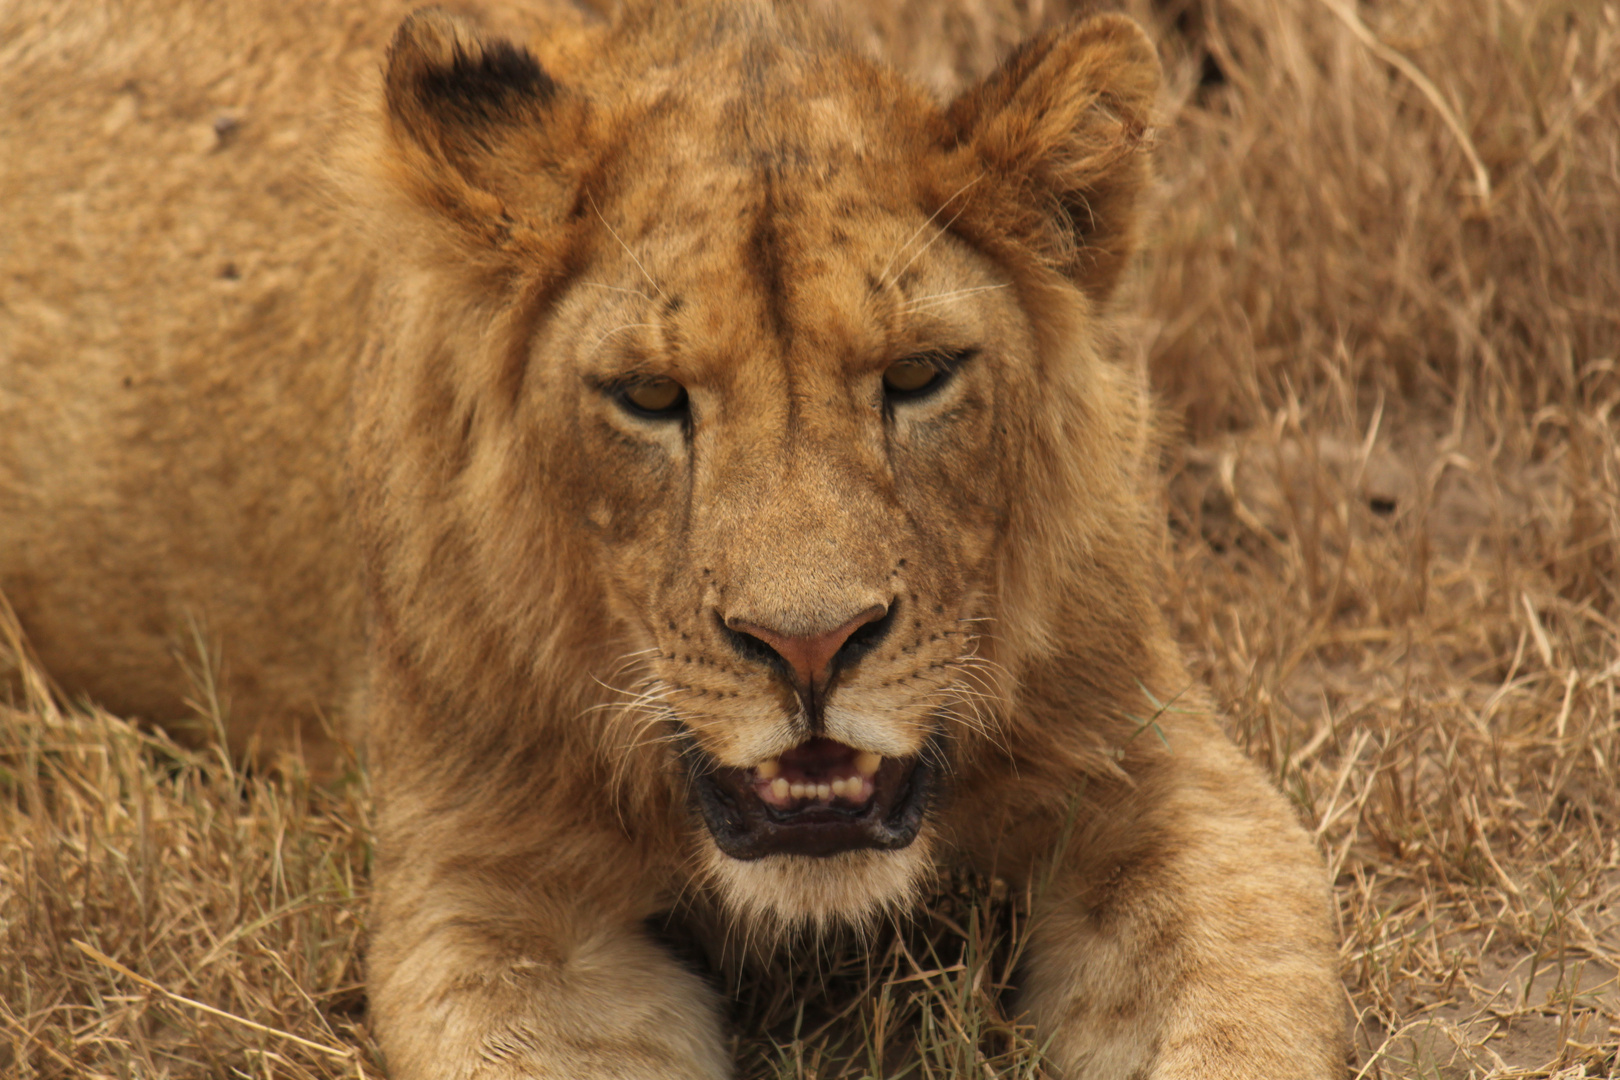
(1065, 119)
(475, 131)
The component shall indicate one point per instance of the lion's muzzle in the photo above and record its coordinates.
(818, 799)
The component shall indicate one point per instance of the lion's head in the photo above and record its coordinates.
(742, 434)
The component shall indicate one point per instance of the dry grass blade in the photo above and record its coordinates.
(1346, 15)
(103, 959)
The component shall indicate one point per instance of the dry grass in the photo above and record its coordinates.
(162, 914)
(1384, 297)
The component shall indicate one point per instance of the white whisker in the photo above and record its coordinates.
(627, 251)
(617, 288)
(931, 240)
(884, 277)
(935, 299)
(615, 330)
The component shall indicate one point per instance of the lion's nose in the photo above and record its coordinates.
(812, 659)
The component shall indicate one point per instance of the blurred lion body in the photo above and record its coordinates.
(225, 425)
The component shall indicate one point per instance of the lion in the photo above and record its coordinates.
(694, 453)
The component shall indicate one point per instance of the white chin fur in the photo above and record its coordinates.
(780, 896)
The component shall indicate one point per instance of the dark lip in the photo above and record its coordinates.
(745, 827)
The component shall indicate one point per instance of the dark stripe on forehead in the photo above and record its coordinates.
(767, 259)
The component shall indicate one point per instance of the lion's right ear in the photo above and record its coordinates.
(475, 131)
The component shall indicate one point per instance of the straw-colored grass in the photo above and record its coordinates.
(1382, 299)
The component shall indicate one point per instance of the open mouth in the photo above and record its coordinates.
(819, 798)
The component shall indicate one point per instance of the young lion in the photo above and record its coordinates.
(748, 517)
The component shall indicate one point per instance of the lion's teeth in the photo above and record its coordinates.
(780, 790)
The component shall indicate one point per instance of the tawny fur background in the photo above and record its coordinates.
(1380, 299)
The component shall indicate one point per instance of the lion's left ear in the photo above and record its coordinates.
(1066, 119)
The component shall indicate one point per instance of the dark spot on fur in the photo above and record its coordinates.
(225, 128)
(1124, 1009)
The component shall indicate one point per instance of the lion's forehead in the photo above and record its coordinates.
(839, 273)
(759, 94)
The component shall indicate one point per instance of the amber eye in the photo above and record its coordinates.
(910, 377)
(655, 397)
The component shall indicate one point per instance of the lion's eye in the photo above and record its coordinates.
(910, 377)
(658, 398)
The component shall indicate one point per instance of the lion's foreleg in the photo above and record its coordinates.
(1187, 936)
(532, 963)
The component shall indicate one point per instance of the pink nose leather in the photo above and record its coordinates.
(809, 656)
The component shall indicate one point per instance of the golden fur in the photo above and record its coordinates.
(737, 196)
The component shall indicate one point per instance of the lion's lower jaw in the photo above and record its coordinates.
(782, 896)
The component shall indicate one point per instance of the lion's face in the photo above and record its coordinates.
(795, 479)
(781, 377)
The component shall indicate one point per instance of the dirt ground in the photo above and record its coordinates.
(1380, 304)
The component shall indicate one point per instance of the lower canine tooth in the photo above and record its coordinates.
(779, 789)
